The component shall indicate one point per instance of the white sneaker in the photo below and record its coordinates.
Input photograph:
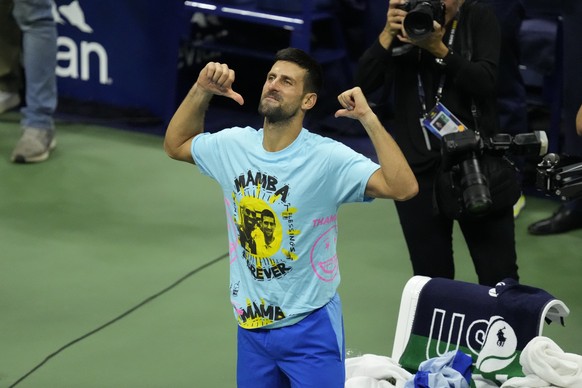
(34, 146)
(8, 101)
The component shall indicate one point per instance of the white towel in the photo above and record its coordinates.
(545, 364)
(373, 371)
(367, 382)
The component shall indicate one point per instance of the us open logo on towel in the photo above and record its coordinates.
(500, 347)
(491, 343)
(494, 341)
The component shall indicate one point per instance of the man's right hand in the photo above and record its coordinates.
(188, 120)
(216, 78)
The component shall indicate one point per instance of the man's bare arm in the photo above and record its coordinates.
(188, 121)
(395, 178)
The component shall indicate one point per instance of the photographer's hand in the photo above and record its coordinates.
(394, 18)
(432, 43)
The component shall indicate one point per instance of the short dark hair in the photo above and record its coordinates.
(267, 213)
(314, 78)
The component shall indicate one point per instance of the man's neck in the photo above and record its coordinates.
(278, 136)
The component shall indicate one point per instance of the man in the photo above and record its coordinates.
(10, 53)
(39, 60)
(289, 314)
(452, 67)
(267, 226)
(247, 226)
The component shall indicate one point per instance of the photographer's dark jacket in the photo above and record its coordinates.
(471, 74)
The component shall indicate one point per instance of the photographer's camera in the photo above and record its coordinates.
(560, 175)
(420, 16)
(462, 153)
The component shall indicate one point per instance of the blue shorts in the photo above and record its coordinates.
(308, 354)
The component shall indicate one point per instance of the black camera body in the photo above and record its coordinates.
(462, 153)
(560, 175)
(420, 16)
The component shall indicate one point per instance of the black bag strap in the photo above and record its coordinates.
(467, 50)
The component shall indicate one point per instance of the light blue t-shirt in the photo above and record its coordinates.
(281, 213)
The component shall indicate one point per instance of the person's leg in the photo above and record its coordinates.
(256, 366)
(308, 354)
(491, 243)
(312, 352)
(428, 235)
(39, 49)
(10, 50)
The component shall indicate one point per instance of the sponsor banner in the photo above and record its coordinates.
(121, 53)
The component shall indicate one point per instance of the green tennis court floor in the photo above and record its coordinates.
(112, 269)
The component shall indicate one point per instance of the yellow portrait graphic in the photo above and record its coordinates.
(259, 228)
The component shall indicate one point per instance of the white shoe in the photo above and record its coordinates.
(34, 146)
(8, 101)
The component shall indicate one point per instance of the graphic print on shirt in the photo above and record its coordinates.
(255, 315)
(264, 223)
(264, 226)
(325, 264)
(259, 229)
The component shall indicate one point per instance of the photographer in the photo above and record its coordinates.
(455, 64)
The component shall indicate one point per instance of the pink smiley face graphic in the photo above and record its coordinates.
(323, 256)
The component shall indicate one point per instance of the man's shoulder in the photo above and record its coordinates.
(235, 133)
(239, 130)
(319, 140)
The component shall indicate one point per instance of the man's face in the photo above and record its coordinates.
(249, 218)
(283, 92)
(268, 226)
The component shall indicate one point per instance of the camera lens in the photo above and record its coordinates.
(476, 196)
(418, 22)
